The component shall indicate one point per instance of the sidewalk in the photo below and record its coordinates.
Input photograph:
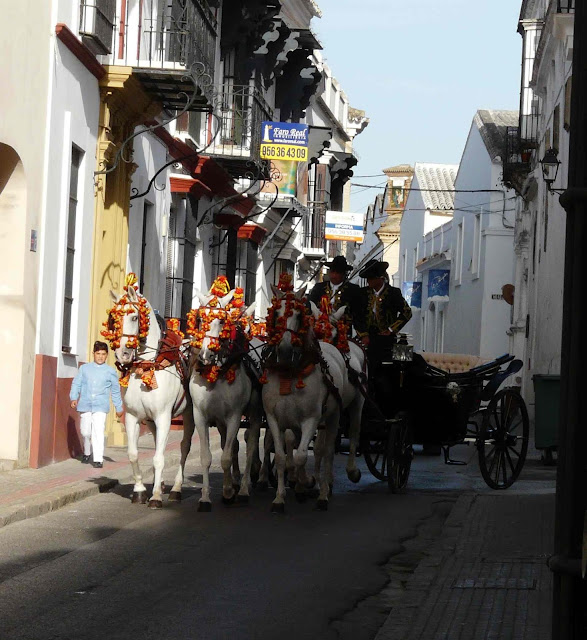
(486, 577)
(27, 493)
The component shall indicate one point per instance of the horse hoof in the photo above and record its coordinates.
(174, 496)
(204, 507)
(322, 505)
(278, 507)
(228, 501)
(301, 497)
(155, 504)
(236, 486)
(262, 485)
(312, 482)
(243, 499)
(354, 475)
(139, 497)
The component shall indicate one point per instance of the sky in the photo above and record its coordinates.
(420, 69)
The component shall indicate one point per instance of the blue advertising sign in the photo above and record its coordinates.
(438, 282)
(284, 141)
(412, 292)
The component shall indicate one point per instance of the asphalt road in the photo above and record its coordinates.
(104, 568)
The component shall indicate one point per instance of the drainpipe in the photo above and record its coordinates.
(570, 588)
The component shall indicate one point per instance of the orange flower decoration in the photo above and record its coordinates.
(113, 327)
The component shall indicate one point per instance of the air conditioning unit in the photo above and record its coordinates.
(97, 25)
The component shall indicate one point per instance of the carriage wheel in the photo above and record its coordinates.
(399, 454)
(503, 439)
(375, 454)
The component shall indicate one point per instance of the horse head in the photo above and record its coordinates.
(212, 327)
(128, 324)
(287, 322)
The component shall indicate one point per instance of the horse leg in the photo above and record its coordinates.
(252, 440)
(163, 424)
(203, 427)
(327, 478)
(227, 459)
(290, 465)
(355, 412)
(263, 482)
(308, 427)
(252, 435)
(186, 445)
(278, 505)
(319, 449)
(132, 425)
(236, 471)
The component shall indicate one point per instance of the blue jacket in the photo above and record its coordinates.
(93, 385)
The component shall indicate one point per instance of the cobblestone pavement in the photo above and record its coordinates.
(485, 578)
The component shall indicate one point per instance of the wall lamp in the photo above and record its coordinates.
(550, 165)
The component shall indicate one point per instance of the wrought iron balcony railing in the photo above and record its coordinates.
(565, 6)
(314, 227)
(167, 36)
(516, 161)
(97, 24)
(235, 126)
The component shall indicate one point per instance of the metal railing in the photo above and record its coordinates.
(167, 36)
(516, 161)
(314, 227)
(565, 6)
(235, 127)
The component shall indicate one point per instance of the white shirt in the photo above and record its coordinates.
(377, 294)
(335, 288)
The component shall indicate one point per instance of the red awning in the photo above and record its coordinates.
(252, 231)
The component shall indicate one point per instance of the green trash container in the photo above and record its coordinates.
(547, 403)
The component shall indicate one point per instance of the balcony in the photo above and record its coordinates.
(313, 240)
(516, 164)
(234, 128)
(165, 41)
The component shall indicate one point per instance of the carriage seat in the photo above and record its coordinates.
(453, 362)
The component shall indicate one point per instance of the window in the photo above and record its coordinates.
(459, 253)
(439, 341)
(545, 230)
(567, 112)
(76, 160)
(147, 215)
(476, 247)
(414, 272)
(405, 266)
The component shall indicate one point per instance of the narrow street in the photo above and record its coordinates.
(105, 568)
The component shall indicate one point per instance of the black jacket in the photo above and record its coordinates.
(348, 294)
(391, 312)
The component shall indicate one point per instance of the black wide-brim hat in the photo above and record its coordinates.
(374, 269)
(339, 264)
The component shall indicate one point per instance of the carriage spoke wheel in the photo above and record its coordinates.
(375, 454)
(399, 454)
(503, 439)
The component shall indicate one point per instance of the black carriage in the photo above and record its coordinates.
(411, 402)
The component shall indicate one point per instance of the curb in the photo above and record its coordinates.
(58, 498)
(422, 580)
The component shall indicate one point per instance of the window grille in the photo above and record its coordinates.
(97, 25)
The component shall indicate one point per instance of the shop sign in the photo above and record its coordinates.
(284, 141)
(347, 227)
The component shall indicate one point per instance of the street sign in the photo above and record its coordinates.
(344, 226)
(284, 141)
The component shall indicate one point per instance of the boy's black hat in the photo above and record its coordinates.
(374, 269)
(339, 264)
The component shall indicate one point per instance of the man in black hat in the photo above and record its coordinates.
(338, 289)
(384, 309)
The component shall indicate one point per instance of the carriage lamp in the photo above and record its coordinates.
(402, 351)
(550, 165)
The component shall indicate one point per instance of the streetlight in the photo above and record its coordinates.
(550, 164)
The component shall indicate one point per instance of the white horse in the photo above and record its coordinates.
(157, 405)
(223, 402)
(325, 392)
(356, 362)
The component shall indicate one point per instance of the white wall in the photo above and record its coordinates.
(73, 116)
(476, 323)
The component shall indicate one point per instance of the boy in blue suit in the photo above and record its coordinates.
(90, 394)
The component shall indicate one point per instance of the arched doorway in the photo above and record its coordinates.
(14, 428)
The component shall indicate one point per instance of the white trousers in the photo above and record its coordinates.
(92, 427)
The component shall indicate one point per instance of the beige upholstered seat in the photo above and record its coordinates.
(452, 362)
